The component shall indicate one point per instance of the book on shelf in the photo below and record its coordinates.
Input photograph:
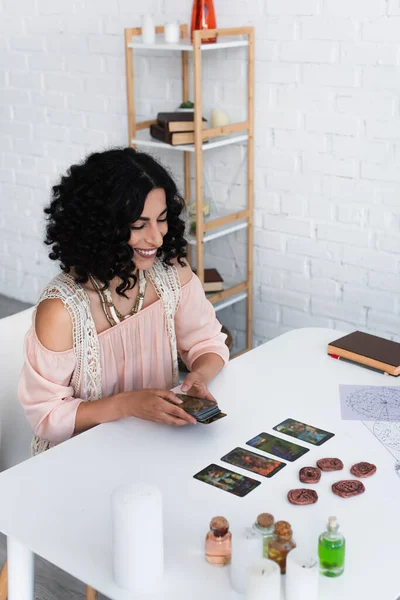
(213, 281)
(175, 139)
(177, 121)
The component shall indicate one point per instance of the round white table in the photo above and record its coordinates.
(58, 504)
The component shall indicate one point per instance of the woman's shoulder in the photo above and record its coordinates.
(53, 325)
(184, 271)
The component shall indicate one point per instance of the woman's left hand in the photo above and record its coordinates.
(195, 385)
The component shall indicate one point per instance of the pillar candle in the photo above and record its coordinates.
(263, 581)
(148, 30)
(171, 33)
(302, 575)
(246, 549)
(137, 537)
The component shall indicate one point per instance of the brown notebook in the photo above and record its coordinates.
(368, 350)
(213, 281)
(175, 139)
(177, 121)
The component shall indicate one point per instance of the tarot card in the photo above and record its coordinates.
(227, 480)
(267, 467)
(194, 405)
(304, 432)
(209, 420)
(277, 446)
(204, 411)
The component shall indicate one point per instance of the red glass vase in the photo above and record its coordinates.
(203, 17)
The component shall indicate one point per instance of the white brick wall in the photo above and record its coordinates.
(327, 176)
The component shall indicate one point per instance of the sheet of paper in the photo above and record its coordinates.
(370, 402)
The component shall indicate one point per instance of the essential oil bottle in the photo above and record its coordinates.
(331, 550)
(219, 542)
(281, 544)
(264, 526)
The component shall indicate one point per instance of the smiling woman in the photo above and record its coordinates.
(110, 326)
(149, 230)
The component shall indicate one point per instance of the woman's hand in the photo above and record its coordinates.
(160, 406)
(195, 385)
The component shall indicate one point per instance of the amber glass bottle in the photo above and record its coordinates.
(281, 544)
(203, 17)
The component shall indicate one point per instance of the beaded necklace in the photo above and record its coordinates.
(110, 310)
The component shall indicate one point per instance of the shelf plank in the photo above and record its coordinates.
(230, 301)
(226, 220)
(226, 141)
(221, 232)
(224, 294)
(187, 45)
(144, 139)
(140, 125)
(225, 130)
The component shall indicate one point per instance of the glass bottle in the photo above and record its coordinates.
(219, 542)
(331, 550)
(203, 17)
(281, 544)
(264, 525)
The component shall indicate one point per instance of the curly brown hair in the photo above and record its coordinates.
(93, 207)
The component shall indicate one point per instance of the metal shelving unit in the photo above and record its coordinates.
(205, 140)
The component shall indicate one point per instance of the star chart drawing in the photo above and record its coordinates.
(389, 434)
(370, 402)
(378, 407)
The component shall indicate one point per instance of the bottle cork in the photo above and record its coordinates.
(219, 526)
(283, 529)
(332, 523)
(265, 520)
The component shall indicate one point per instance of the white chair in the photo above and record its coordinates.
(16, 435)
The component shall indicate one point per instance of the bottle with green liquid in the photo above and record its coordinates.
(264, 526)
(331, 550)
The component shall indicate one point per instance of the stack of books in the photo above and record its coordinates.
(175, 128)
(213, 281)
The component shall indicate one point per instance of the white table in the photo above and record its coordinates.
(57, 505)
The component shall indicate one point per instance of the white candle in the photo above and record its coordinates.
(219, 118)
(302, 574)
(148, 30)
(263, 581)
(138, 556)
(171, 33)
(246, 549)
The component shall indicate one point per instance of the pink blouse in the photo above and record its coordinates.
(134, 354)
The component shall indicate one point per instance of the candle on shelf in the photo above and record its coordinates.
(219, 118)
(148, 30)
(246, 549)
(302, 574)
(171, 33)
(137, 537)
(263, 581)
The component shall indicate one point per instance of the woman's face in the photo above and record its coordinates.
(148, 231)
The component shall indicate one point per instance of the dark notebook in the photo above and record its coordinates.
(372, 347)
(177, 121)
(175, 139)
